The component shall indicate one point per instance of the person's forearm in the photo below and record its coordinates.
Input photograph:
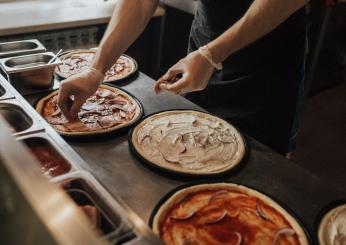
(261, 18)
(128, 21)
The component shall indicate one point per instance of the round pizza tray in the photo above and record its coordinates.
(325, 210)
(169, 194)
(176, 174)
(126, 77)
(106, 133)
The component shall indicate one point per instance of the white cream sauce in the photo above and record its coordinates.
(191, 141)
(336, 228)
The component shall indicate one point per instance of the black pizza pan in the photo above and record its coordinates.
(325, 210)
(121, 80)
(180, 175)
(169, 194)
(102, 135)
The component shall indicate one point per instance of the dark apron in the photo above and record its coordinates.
(257, 88)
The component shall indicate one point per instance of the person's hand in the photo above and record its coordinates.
(81, 86)
(191, 73)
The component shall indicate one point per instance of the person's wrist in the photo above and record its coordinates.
(97, 74)
(205, 52)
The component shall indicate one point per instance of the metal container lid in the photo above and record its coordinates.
(15, 48)
(28, 62)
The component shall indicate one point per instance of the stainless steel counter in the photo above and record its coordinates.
(140, 187)
(120, 224)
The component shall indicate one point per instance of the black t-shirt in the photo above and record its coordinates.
(275, 49)
(258, 86)
(220, 14)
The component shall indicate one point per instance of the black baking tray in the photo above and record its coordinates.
(163, 199)
(330, 206)
(101, 136)
(174, 174)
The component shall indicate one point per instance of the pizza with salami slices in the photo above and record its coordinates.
(107, 110)
(76, 61)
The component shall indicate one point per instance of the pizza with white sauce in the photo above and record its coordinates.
(188, 142)
(332, 229)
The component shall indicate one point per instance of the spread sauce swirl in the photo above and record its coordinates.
(333, 228)
(224, 216)
(189, 141)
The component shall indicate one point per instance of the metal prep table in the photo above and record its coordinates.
(140, 187)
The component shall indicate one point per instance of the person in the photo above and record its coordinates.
(244, 64)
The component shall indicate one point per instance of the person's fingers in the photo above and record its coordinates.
(168, 77)
(63, 103)
(163, 86)
(76, 106)
(179, 86)
(172, 73)
(157, 84)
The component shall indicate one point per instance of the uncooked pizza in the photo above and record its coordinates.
(188, 142)
(225, 213)
(107, 110)
(77, 61)
(332, 229)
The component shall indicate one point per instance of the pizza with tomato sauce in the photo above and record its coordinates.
(225, 213)
(76, 61)
(109, 109)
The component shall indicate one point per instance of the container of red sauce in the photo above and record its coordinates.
(51, 161)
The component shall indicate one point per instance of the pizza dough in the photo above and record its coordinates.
(189, 142)
(225, 213)
(332, 230)
(107, 110)
(76, 61)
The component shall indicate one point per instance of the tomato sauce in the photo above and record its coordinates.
(52, 163)
(230, 217)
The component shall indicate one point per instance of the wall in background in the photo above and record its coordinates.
(145, 50)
